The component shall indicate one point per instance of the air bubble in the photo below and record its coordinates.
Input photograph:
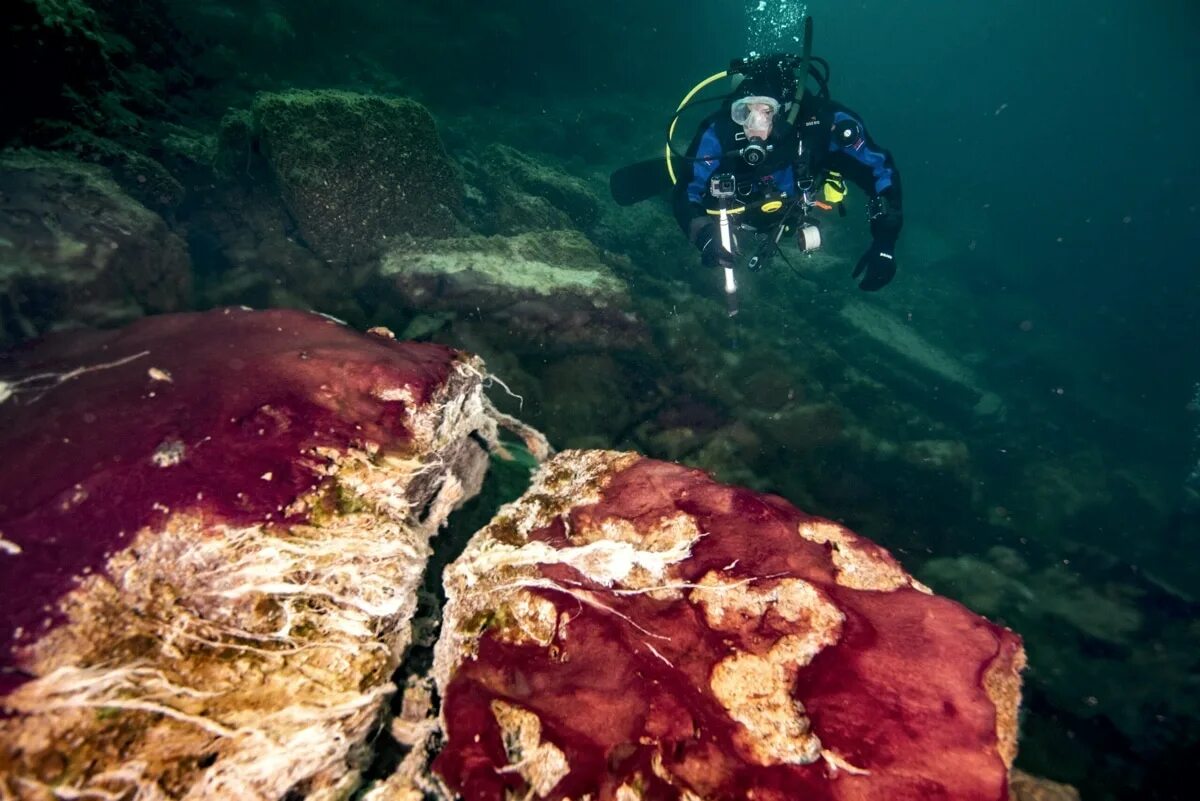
(773, 26)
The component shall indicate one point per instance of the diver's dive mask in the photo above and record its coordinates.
(755, 113)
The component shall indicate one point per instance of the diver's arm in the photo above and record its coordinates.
(689, 203)
(708, 158)
(862, 160)
(871, 167)
(694, 220)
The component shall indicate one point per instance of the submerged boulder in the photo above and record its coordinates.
(1025, 787)
(631, 629)
(75, 250)
(526, 194)
(356, 170)
(552, 289)
(212, 529)
(929, 374)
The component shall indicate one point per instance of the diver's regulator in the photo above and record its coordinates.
(755, 152)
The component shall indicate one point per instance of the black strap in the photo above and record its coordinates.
(805, 61)
(814, 124)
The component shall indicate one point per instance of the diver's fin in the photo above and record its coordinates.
(641, 181)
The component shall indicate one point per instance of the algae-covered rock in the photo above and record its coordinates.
(1056, 597)
(511, 212)
(916, 366)
(632, 629)
(246, 252)
(525, 194)
(554, 288)
(57, 58)
(212, 530)
(586, 397)
(802, 427)
(356, 170)
(143, 178)
(1024, 787)
(234, 146)
(76, 250)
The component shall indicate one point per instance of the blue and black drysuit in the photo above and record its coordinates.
(827, 137)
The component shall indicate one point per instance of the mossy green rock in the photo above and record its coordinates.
(516, 178)
(357, 170)
(76, 250)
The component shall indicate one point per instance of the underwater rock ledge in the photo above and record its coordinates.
(212, 530)
(76, 250)
(632, 629)
(551, 290)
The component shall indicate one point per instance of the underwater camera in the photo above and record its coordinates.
(723, 186)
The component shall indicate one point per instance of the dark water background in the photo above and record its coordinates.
(1050, 162)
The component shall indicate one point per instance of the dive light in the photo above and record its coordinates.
(723, 187)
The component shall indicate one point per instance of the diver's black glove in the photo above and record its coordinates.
(879, 262)
(705, 234)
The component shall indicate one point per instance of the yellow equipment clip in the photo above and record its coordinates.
(771, 206)
(835, 188)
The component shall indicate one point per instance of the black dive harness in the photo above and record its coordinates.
(747, 194)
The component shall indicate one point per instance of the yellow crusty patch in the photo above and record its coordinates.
(1002, 682)
(729, 603)
(627, 792)
(534, 619)
(860, 567)
(756, 689)
(541, 764)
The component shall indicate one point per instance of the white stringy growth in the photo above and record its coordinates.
(266, 646)
(41, 383)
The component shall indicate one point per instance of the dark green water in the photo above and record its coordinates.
(1015, 416)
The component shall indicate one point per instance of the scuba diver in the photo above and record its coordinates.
(766, 163)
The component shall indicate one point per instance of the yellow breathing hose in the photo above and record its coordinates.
(682, 103)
